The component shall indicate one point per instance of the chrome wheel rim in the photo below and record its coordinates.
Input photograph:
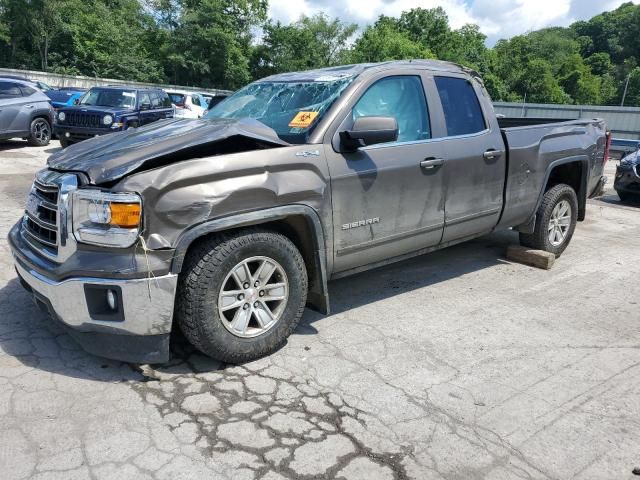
(41, 131)
(253, 297)
(559, 223)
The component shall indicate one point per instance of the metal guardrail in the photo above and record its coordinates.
(58, 80)
(624, 122)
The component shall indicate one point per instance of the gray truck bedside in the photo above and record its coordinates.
(228, 226)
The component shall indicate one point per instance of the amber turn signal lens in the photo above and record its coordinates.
(125, 215)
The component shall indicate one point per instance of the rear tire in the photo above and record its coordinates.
(40, 132)
(219, 310)
(556, 221)
(627, 197)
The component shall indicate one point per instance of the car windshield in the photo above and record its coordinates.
(292, 109)
(103, 97)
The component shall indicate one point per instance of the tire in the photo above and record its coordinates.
(64, 142)
(40, 132)
(216, 329)
(541, 239)
(627, 197)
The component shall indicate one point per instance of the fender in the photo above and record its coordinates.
(318, 296)
(582, 195)
(41, 112)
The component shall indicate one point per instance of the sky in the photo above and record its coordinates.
(497, 18)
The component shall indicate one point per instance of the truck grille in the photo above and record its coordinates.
(45, 224)
(81, 119)
(41, 217)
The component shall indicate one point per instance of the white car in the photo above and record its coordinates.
(187, 104)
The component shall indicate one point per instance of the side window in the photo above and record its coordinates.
(195, 100)
(144, 98)
(155, 100)
(165, 100)
(26, 91)
(462, 112)
(400, 97)
(10, 90)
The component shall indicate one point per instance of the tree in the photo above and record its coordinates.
(311, 42)
(385, 41)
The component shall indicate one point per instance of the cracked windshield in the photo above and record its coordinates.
(292, 109)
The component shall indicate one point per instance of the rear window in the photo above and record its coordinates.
(462, 111)
(26, 91)
(177, 99)
(9, 90)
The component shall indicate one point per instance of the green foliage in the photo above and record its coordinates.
(311, 42)
(227, 43)
(385, 40)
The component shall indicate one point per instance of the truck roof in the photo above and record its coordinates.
(343, 71)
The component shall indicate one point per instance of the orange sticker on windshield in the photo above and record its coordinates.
(303, 119)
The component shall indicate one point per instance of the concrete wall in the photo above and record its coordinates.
(57, 80)
(624, 122)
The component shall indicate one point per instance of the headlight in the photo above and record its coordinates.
(61, 116)
(106, 219)
(107, 120)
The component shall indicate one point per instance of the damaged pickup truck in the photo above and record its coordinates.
(230, 225)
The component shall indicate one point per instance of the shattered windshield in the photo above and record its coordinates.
(292, 109)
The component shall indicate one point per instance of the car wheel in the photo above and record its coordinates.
(40, 132)
(627, 197)
(241, 295)
(556, 221)
(65, 142)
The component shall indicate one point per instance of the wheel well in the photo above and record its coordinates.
(299, 230)
(43, 116)
(571, 174)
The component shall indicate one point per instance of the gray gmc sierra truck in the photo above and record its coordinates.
(233, 223)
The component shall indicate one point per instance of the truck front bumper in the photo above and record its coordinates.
(78, 134)
(136, 330)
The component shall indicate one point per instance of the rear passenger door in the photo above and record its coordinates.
(11, 102)
(474, 157)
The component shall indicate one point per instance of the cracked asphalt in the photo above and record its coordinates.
(454, 365)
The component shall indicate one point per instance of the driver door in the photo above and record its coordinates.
(388, 199)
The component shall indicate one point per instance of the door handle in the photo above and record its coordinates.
(431, 163)
(491, 154)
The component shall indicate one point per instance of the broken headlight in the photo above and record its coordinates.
(106, 219)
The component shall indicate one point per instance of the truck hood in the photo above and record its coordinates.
(98, 109)
(110, 157)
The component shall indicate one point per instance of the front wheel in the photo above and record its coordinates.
(556, 221)
(241, 295)
(40, 132)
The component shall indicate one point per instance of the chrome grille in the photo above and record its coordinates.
(83, 119)
(45, 221)
(41, 217)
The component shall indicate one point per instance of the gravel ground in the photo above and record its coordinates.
(457, 364)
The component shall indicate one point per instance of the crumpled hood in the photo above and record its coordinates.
(113, 156)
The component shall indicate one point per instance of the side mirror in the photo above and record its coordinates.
(369, 131)
(76, 101)
(145, 106)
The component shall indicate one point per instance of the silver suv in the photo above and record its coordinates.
(25, 112)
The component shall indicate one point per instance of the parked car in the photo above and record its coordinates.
(231, 224)
(43, 87)
(214, 100)
(65, 97)
(103, 110)
(187, 104)
(627, 182)
(25, 112)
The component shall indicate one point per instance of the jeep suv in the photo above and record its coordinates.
(110, 109)
(25, 112)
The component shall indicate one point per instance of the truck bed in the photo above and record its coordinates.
(534, 146)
